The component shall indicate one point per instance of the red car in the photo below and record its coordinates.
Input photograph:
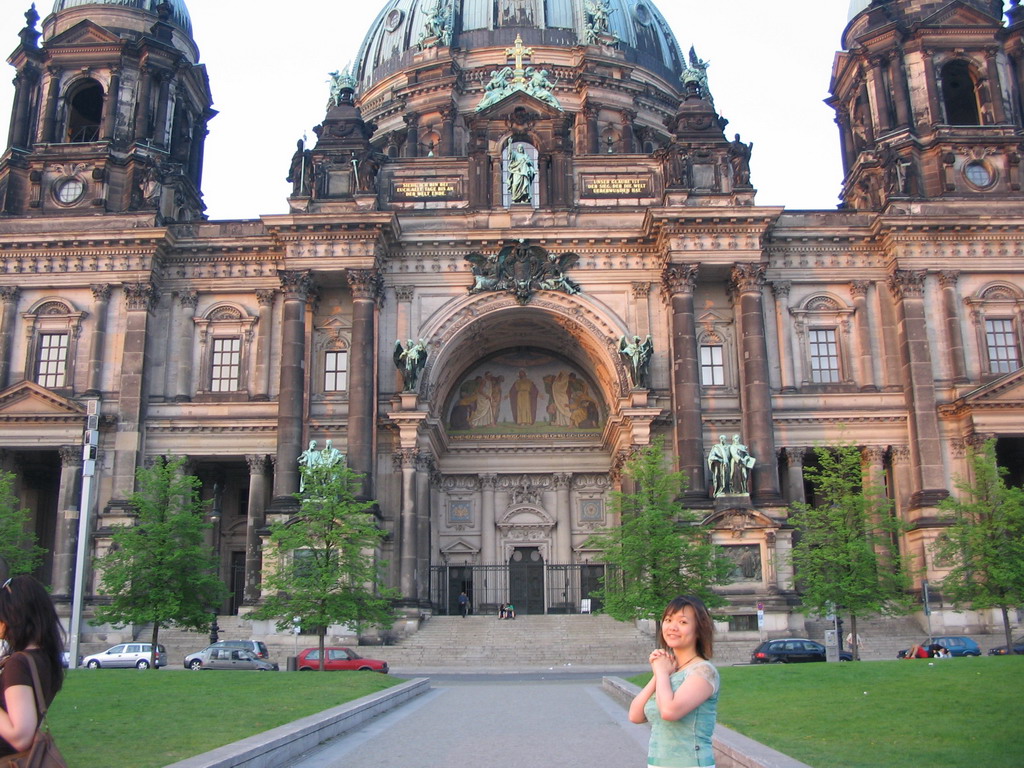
(338, 659)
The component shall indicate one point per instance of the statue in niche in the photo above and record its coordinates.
(410, 361)
(300, 170)
(740, 464)
(718, 462)
(739, 159)
(367, 166)
(636, 354)
(522, 170)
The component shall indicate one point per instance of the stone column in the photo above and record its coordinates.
(65, 540)
(759, 434)
(9, 295)
(365, 285)
(679, 282)
(264, 343)
(873, 457)
(98, 340)
(795, 474)
(926, 449)
(131, 402)
(780, 289)
(296, 286)
(880, 94)
(995, 86)
(591, 112)
(255, 520)
(954, 334)
(866, 352)
(849, 146)
(142, 110)
(405, 460)
(412, 134)
(627, 120)
(424, 466)
(926, 118)
(449, 114)
(48, 134)
(186, 337)
(563, 548)
(110, 106)
(21, 118)
(488, 523)
(163, 100)
(901, 96)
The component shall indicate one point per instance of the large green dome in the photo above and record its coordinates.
(179, 13)
(644, 35)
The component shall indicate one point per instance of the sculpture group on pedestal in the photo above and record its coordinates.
(730, 465)
(311, 457)
(636, 355)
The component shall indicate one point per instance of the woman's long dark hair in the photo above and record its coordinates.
(29, 618)
(705, 624)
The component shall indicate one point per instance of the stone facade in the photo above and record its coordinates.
(523, 225)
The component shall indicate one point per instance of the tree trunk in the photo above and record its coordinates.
(1006, 630)
(152, 648)
(323, 661)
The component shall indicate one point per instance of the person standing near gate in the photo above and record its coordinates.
(681, 700)
(463, 604)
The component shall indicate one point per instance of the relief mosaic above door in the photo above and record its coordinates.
(525, 393)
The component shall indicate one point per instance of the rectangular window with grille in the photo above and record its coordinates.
(226, 368)
(712, 367)
(52, 369)
(824, 354)
(1003, 348)
(335, 371)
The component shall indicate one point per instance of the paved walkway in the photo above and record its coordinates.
(494, 723)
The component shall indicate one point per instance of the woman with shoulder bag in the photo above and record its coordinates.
(33, 637)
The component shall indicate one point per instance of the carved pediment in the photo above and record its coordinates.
(459, 549)
(512, 109)
(526, 516)
(1006, 391)
(30, 401)
(959, 14)
(84, 33)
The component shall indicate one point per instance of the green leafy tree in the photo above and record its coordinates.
(847, 558)
(323, 567)
(659, 550)
(160, 570)
(984, 542)
(17, 542)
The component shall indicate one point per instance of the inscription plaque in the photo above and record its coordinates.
(427, 189)
(615, 186)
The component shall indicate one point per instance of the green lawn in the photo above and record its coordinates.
(948, 713)
(124, 718)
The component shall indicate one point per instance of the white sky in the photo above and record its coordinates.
(268, 62)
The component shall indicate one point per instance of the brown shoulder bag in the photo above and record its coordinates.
(43, 753)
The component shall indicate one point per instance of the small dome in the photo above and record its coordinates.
(644, 35)
(179, 13)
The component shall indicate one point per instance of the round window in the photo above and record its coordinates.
(69, 190)
(643, 14)
(978, 175)
(392, 20)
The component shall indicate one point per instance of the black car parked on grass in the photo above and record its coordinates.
(790, 650)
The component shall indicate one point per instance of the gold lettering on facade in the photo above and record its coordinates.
(616, 186)
(421, 189)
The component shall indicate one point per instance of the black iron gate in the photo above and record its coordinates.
(533, 586)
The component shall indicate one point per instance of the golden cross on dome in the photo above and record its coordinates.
(519, 52)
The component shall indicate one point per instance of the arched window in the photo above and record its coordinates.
(958, 94)
(53, 328)
(996, 311)
(225, 336)
(84, 111)
(823, 325)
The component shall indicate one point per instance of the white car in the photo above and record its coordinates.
(230, 658)
(127, 655)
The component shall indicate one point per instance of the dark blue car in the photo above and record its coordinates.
(957, 645)
(1017, 648)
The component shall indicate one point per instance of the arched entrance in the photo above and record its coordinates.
(526, 402)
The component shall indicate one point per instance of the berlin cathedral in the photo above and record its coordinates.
(520, 247)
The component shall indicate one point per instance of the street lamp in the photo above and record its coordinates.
(215, 518)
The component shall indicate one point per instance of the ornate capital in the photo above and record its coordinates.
(873, 455)
(365, 283)
(680, 278)
(257, 463)
(948, 278)
(101, 292)
(405, 292)
(900, 454)
(70, 455)
(9, 294)
(859, 288)
(795, 455)
(781, 288)
(747, 278)
(563, 479)
(488, 482)
(641, 289)
(296, 284)
(907, 284)
(139, 296)
(188, 299)
(265, 298)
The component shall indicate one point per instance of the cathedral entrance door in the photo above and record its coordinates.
(526, 580)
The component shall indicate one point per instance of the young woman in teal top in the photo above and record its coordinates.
(681, 700)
